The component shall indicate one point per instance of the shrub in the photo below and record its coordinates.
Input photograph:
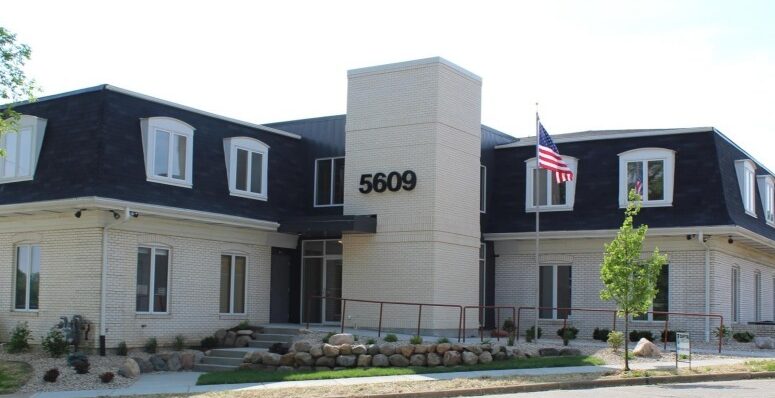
(743, 337)
(416, 340)
(355, 337)
(722, 331)
(572, 332)
(391, 338)
(180, 343)
(442, 340)
(615, 340)
(51, 375)
(244, 325)
(486, 341)
(20, 337)
(328, 336)
(636, 335)
(151, 345)
(508, 326)
(670, 337)
(54, 343)
(121, 349)
(601, 334)
(107, 377)
(371, 340)
(76, 356)
(530, 333)
(208, 342)
(81, 366)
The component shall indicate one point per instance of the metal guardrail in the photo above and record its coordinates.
(497, 309)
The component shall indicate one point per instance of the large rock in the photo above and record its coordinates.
(451, 358)
(271, 359)
(330, 350)
(364, 361)
(457, 347)
(469, 358)
(570, 352)
(242, 341)
(304, 359)
(345, 361)
(285, 368)
(220, 334)
(302, 346)
(345, 349)
(359, 349)
(499, 356)
(645, 348)
(764, 343)
(144, 364)
(230, 338)
(405, 349)
(255, 357)
(421, 349)
(380, 361)
(485, 357)
(372, 349)
(475, 348)
(548, 352)
(129, 369)
(187, 360)
(158, 363)
(288, 359)
(387, 349)
(398, 360)
(417, 360)
(328, 362)
(433, 359)
(244, 332)
(316, 350)
(173, 363)
(443, 348)
(341, 338)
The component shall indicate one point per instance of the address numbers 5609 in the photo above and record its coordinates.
(393, 181)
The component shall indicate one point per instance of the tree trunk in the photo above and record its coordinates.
(626, 341)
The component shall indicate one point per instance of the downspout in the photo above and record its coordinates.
(104, 278)
(701, 239)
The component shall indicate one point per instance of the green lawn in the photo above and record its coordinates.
(257, 376)
(13, 375)
(761, 366)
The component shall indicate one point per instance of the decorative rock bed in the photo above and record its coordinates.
(174, 361)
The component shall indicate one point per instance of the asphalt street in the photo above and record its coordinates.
(727, 389)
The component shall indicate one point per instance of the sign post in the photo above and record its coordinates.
(683, 349)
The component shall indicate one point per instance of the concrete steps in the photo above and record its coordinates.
(227, 359)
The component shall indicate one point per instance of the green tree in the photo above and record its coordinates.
(15, 86)
(630, 279)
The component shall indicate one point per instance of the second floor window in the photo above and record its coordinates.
(20, 149)
(247, 162)
(543, 189)
(746, 178)
(650, 172)
(767, 192)
(329, 181)
(169, 146)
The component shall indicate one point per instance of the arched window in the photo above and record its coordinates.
(650, 172)
(168, 145)
(22, 149)
(247, 163)
(542, 188)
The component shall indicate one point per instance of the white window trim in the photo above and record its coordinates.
(148, 129)
(38, 128)
(757, 298)
(333, 184)
(766, 185)
(483, 188)
(746, 174)
(570, 188)
(233, 274)
(646, 155)
(152, 280)
(734, 304)
(230, 147)
(27, 281)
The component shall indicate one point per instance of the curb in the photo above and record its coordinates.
(576, 385)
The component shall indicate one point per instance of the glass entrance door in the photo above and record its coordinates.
(321, 276)
(333, 308)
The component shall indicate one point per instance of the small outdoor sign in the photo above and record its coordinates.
(683, 349)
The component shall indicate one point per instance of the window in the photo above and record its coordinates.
(757, 296)
(554, 287)
(233, 270)
(21, 149)
(27, 277)
(542, 188)
(152, 278)
(247, 164)
(661, 301)
(735, 304)
(650, 172)
(169, 146)
(482, 189)
(746, 175)
(329, 182)
(767, 192)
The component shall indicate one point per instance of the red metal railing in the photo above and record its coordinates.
(615, 313)
(381, 307)
(497, 309)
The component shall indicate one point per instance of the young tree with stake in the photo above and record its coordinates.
(630, 280)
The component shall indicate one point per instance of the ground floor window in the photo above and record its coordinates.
(735, 297)
(152, 278)
(27, 277)
(554, 291)
(321, 264)
(233, 270)
(661, 302)
(757, 296)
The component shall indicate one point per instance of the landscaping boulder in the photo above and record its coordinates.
(469, 358)
(255, 357)
(417, 360)
(187, 360)
(380, 361)
(345, 349)
(387, 349)
(764, 342)
(499, 356)
(303, 359)
(645, 348)
(451, 358)
(421, 349)
(398, 360)
(476, 349)
(330, 350)
(328, 362)
(288, 359)
(158, 363)
(486, 347)
(244, 332)
(457, 347)
(173, 363)
(359, 349)
(302, 346)
(345, 361)
(341, 338)
(485, 357)
(443, 347)
(242, 341)
(405, 349)
(433, 359)
(316, 350)
(364, 361)
(570, 352)
(271, 359)
(129, 369)
(220, 334)
(144, 364)
(285, 368)
(372, 349)
(230, 338)
(548, 352)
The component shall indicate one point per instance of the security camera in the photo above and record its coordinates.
(730, 240)
(115, 214)
(78, 214)
(134, 214)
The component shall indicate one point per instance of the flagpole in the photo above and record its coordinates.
(537, 200)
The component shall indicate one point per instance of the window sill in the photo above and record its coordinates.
(177, 183)
(25, 312)
(336, 205)
(549, 209)
(649, 204)
(157, 315)
(15, 179)
(750, 213)
(233, 317)
(248, 195)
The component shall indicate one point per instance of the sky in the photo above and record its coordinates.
(589, 64)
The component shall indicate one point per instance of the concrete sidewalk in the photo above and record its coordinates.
(185, 382)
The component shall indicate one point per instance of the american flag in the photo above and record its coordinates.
(549, 156)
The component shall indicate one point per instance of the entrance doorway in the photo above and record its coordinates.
(321, 268)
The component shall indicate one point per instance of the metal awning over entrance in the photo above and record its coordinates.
(330, 226)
